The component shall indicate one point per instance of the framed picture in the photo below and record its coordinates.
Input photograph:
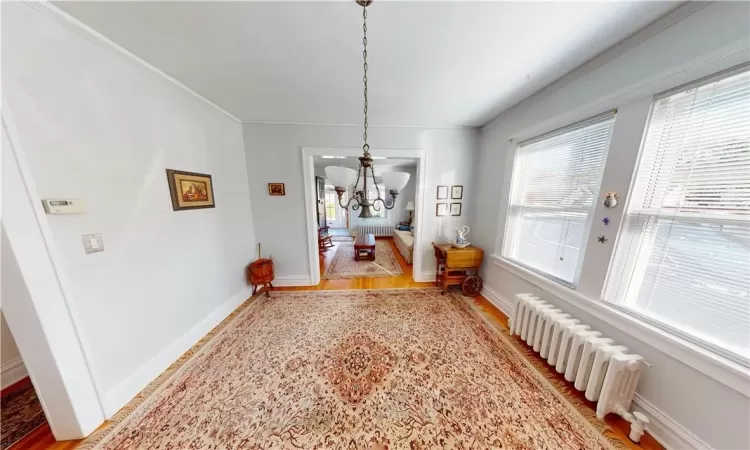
(457, 192)
(190, 190)
(276, 189)
(441, 209)
(442, 192)
(455, 209)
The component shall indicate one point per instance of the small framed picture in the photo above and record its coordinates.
(441, 209)
(457, 192)
(442, 192)
(455, 209)
(276, 189)
(190, 190)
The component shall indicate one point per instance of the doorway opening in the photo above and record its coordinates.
(343, 245)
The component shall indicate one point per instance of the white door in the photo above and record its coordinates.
(335, 214)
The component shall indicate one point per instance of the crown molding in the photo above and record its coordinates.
(629, 43)
(356, 125)
(75, 25)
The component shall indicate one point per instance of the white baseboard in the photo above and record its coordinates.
(425, 277)
(500, 302)
(13, 371)
(116, 398)
(664, 429)
(292, 280)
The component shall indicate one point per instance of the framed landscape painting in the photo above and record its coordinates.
(190, 190)
(278, 188)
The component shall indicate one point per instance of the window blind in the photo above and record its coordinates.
(683, 256)
(555, 185)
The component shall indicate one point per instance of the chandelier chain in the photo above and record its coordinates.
(366, 146)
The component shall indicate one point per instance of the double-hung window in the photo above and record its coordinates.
(682, 259)
(556, 179)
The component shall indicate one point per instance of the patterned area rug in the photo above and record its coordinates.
(344, 265)
(342, 238)
(20, 413)
(406, 368)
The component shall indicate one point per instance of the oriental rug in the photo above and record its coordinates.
(397, 369)
(344, 265)
(20, 413)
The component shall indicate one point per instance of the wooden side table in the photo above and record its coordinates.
(458, 266)
(364, 243)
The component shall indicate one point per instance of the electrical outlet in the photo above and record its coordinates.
(93, 243)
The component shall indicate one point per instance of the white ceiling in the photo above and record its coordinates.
(431, 63)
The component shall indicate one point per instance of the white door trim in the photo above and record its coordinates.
(308, 174)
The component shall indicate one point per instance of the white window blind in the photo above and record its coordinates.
(683, 256)
(555, 185)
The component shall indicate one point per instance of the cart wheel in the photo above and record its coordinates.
(472, 286)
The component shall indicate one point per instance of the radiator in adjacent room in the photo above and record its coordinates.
(378, 228)
(605, 371)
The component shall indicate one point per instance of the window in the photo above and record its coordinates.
(555, 185)
(331, 199)
(683, 255)
(372, 194)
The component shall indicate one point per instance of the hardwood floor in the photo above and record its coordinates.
(42, 438)
(401, 281)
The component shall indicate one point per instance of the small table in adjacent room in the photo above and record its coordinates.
(364, 247)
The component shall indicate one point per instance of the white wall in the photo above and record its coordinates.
(93, 123)
(273, 154)
(11, 363)
(690, 43)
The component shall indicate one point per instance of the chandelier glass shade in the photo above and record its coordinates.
(344, 178)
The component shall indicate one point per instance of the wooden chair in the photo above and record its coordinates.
(324, 239)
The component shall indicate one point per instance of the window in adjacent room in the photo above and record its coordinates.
(555, 185)
(683, 256)
(331, 200)
(372, 194)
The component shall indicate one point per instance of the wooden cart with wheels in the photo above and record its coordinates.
(458, 267)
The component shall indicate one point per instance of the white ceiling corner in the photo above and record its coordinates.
(452, 64)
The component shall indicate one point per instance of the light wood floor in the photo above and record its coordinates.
(42, 438)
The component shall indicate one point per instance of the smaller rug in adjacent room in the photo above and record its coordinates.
(344, 265)
(20, 413)
(342, 238)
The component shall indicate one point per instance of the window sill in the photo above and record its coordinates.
(715, 366)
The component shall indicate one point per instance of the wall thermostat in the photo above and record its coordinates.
(61, 206)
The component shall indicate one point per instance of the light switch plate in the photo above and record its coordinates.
(93, 243)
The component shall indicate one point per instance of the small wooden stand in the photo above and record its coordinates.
(260, 272)
(458, 266)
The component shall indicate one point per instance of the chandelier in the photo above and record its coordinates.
(343, 177)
